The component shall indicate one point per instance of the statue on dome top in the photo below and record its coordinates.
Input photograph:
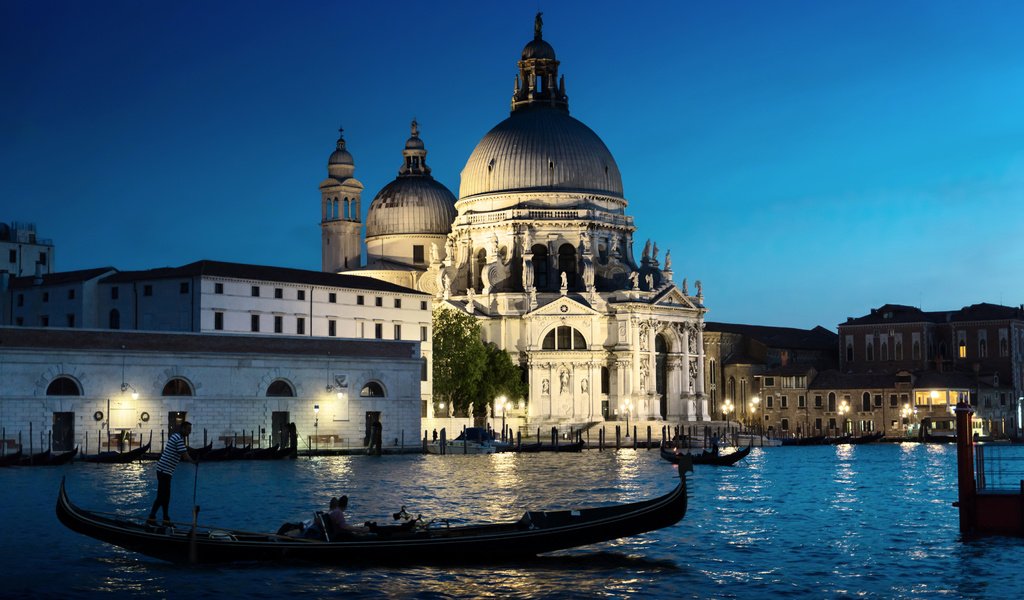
(538, 24)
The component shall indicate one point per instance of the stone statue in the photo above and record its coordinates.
(446, 284)
(565, 280)
(615, 245)
(415, 127)
(449, 248)
(650, 281)
(647, 250)
(434, 254)
(644, 373)
(700, 288)
(584, 244)
(654, 253)
(668, 260)
(585, 386)
(492, 247)
(686, 292)
(635, 278)
(538, 24)
(545, 387)
(527, 243)
(563, 379)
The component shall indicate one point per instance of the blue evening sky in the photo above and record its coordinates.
(806, 160)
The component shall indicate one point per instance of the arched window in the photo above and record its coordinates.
(564, 338)
(177, 387)
(605, 380)
(865, 402)
(885, 350)
(567, 263)
(540, 266)
(63, 386)
(831, 402)
(115, 319)
(870, 351)
(280, 388)
(372, 390)
(660, 364)
(983, 348)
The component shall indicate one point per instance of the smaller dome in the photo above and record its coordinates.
(414, 143)
(538, 48)
(411, 206)
(341, 157)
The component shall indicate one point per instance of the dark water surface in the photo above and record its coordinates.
(870, 521)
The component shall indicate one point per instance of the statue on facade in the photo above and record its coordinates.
(649, 278)
(614, 246)
(668, 260)
(585, 386)
(527, 243)
(584, 243)
(492, 247)
(563, 379)
(686, 292)
(654, 253)
(446, 284)
(538, 24)
(434, 257)
(700, 289)
(545, 387)
(449, 248)
(634, 277)
(565, 281)
(644, 374)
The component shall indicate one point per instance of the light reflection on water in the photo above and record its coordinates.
(872, 520)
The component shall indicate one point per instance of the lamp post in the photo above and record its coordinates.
(626, 408)
(316, 425)
(844, 407)
(727, 407)
(905, 416)
(502, 403)
(754, 403)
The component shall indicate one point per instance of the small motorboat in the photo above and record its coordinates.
(411, 542)
(472, 440)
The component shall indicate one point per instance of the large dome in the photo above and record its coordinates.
(411, 205)
(540, 149)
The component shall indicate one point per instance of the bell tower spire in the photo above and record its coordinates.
(340, 212)
(537, 83)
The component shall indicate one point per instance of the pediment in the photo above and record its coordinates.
(675, 298)
(564, 307)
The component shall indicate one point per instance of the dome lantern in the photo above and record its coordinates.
(538, 83)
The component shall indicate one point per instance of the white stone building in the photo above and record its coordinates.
(540, 249)
(74, 385)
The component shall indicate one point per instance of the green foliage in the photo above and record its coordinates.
(467, 371)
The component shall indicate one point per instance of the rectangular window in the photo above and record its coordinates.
(378, 301)
(300, 326)
(218, 321)
(378, 331)
(817, 424)
(423, 369)
(278, 293)
(147, 290)
(878, 401)
(423, 333)
(423, 305)
(218, 288)
(71, 320)
(398, 332)
(801, 402)
(785, 425)
(817, 401)
(255, 291)
(360, 300)
(114, 292)
(832, 423)
(769, 382)
(769, 402)
(893, 401)
(46, 296)
(254, 322)
(332, 327)
(183, 288)
(278, 324)
(417, 255)
(784, 402)
(42, 258)
(398, 303)
(71, 294)
(301, 294)
(12, 256)
(332, 298)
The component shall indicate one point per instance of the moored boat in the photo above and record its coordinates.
(413, 542)
(115, 457)
(707, 457)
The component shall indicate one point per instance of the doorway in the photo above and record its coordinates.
(63, 431)
(372, 418)
(279, 428)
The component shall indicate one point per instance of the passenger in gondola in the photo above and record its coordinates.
(714, 444)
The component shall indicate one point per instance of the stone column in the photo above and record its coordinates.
(702, 399)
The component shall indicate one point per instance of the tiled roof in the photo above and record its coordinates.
(837, 380)
(106, 340)
(212, 268)
(987, 312)
(61, 278)
(898, 313)
(818, 338)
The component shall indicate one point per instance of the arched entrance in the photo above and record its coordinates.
(660, 372)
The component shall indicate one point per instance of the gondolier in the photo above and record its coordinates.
(173, 452)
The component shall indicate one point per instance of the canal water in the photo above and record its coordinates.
(872, 521)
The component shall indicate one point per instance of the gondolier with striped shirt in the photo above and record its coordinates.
(173, 452)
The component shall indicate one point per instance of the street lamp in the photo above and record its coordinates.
(626, 408)
(727, 407)
(905, 413)
(844, 407)
(316, 425)
(504, 403)
(754, 403)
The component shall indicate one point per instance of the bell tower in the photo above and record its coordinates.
(340, 212)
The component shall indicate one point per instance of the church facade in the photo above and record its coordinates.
(539, 247)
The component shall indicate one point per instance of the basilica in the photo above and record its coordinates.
(539, 247)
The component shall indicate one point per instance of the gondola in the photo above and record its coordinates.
(867, 438)
(63, 458)
(201, 452)
(117, 457)
(816, 440)
(9, 460)
(707, 457)
(413, 542)
(272, 453)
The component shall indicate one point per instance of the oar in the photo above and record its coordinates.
(192, 550)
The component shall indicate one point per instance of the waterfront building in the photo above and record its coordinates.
(22, 252)
(114, 388)
(539, 248)
(61, 299)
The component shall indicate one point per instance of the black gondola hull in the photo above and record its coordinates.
(707, 458)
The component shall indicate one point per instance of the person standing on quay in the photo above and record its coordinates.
(173, 452)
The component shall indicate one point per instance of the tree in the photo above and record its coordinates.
(467, 371)
(459, 358)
